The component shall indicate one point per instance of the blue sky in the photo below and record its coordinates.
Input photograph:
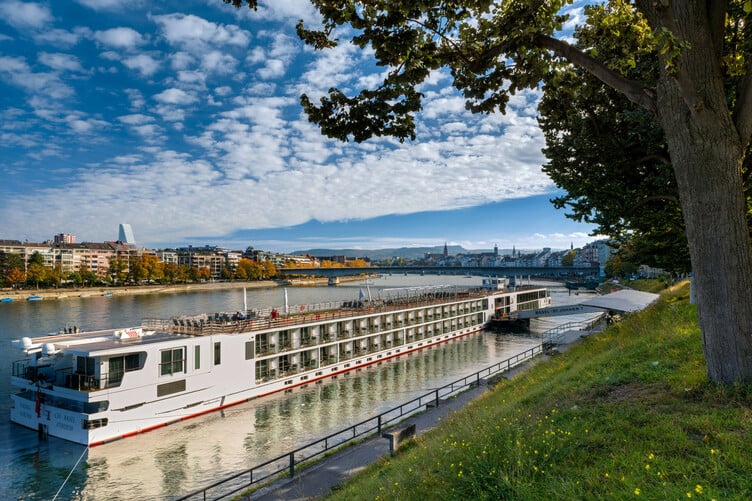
(183, 120)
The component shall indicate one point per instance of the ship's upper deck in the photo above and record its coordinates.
(154, 330)
(223, 323)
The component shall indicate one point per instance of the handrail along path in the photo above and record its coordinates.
(287, 463)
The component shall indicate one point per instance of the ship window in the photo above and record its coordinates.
(217, 353)
(249, 350)
(93, 423)
(132, 362)
(197, 357)
(173, 361)
(85, 365)
(116, 371)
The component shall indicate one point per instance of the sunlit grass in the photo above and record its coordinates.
(627, 413)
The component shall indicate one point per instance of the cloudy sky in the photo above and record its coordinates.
(182, 118)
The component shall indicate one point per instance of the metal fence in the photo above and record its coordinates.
(290, 462)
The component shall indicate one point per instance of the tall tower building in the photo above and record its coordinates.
(125, 234)
(64, 238)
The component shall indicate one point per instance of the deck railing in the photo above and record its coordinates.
(291, 462)
(262, 319)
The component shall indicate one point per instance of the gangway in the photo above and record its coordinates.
(623, 301)
(555, 311)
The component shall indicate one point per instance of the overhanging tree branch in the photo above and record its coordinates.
(635, 92)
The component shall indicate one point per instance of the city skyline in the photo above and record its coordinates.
(182, 119)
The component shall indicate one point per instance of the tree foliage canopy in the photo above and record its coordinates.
(610, 155)
(698, 91)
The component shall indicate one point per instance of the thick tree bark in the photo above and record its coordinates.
(707, 166)
(707, 151)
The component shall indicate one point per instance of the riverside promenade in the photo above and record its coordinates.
(320, 478)
(83, 292)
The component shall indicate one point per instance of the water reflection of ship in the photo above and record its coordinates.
(261, 429)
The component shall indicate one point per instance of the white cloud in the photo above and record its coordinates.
(136, 119)
(102, 5)
(244, 154)
(143, 63)
(182, 61)
(58, 38)
(218, 62)
(25, 15)
(273, 69)
(61, 62)
(223, 90)
(289, 11)
(194, 33)
(150, 132)
(136, 98)
(128, 159)
(86, 126)
(16, 71)
(170, 113)
(193, 80)
(331, 68)
(175, 96)
(119, 38)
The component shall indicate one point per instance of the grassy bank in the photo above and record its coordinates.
(627, 413)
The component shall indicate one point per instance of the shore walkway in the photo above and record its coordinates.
(319, 479)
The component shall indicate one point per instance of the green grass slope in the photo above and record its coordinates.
(624, 414)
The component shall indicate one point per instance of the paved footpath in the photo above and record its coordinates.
(318, 480)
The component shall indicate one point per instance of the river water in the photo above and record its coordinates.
(179, 458)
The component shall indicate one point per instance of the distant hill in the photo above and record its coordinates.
(403, 252)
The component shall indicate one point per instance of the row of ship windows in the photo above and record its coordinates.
(174, 360)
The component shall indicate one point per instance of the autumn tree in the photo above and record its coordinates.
(88, 277)
(701, 99)
(10, 264)
(36, 273)
(268, 270)
(357, 263)
(248, 270)
(118, 269)
(616, 266)
(170, 272)
(153, 267)
(138, 272)
(14, 277)
(204, 273)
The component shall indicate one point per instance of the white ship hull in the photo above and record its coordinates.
(93, 388)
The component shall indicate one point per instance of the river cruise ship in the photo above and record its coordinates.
(96, 387)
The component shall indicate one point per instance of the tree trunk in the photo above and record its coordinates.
(707, 156)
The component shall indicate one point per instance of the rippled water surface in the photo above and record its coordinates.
(177, 459)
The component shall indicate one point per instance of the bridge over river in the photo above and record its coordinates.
(541, 272)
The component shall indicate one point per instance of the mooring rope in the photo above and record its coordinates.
(86, 449)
